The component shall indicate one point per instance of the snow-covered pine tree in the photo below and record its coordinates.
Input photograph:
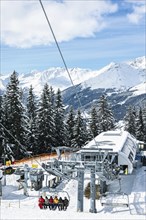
(130, 121)
(105, 116)
(31, 104)
(144, 122)
(93, 122)
(31, 122)
(5, 150)
(80, 131)
(60, 128)
(70, 123)
(2, 136)
(14, 120)
(45, 122)
(139, 129)
(52, 96)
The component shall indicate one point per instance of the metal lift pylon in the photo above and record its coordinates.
(92, 191)
(80, 199)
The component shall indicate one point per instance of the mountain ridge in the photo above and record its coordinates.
(124, 84)
(58, 77)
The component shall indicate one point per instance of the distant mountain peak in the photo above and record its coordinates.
(114, 75)
(123, 83)
(138, 63)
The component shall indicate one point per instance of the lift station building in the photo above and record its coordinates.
(118, 147)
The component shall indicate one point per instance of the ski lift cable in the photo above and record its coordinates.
(64, 62)
(58, 47)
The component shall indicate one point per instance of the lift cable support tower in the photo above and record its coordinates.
(76, 166)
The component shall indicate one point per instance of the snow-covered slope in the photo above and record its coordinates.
(138, 63)
(120, 76)
(124, 84)
(139, 89)
(55, 77)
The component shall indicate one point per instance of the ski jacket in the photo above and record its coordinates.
(51, 200)
(60, 201)
(56, 200)
(65, 202)
(41, 200)
(46, 200)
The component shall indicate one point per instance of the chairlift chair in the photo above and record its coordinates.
(114, 199)
(55, 192)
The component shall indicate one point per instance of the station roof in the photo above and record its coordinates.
(107, 141)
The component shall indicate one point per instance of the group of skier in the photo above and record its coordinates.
(53, 203)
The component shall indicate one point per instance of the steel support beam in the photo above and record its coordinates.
(92, 191)
(80, 189)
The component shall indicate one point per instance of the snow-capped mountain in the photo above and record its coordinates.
(138, 63)
(119, 76)
(115, 75)
(123, 83)
(55, 77)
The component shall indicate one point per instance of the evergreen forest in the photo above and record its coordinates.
(38, 125)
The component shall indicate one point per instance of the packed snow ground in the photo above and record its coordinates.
(14, 205)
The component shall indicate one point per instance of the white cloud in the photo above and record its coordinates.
(139, 10)
(136, 2)
(23, 23)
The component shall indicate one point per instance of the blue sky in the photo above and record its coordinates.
(91, 34)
